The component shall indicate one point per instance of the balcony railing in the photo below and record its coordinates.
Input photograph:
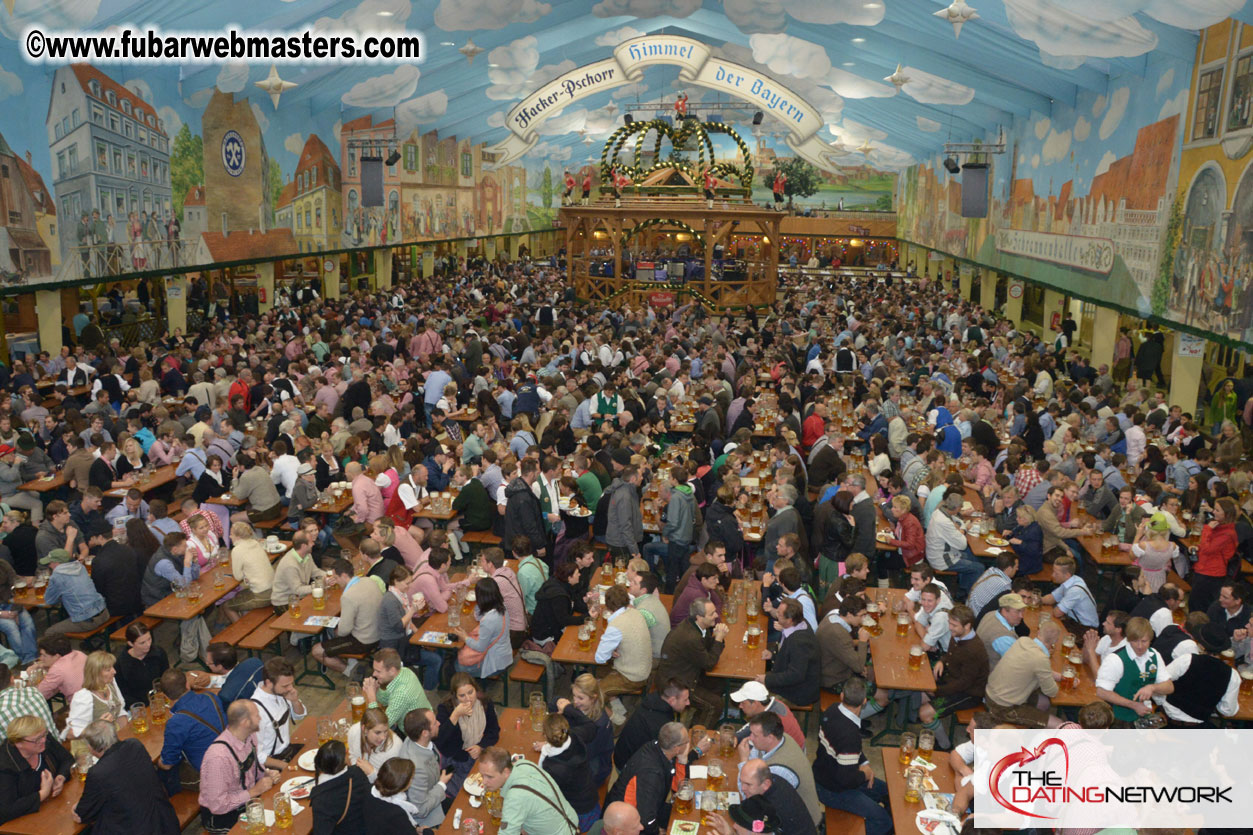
(112, 259)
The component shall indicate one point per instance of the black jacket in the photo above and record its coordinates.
(123, 794)
(523, 515)
(837, 536)
(449, 740)
(339, 806)
(797, 668)
(644, 723)
(383, 818)
(722, 526)
(556, 607)
(569, 770)
(865, 520)
(19, 783)
(826, 467)
(644, 782)
(116, 575)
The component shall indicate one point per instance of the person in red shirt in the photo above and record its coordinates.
(620, 181)
(565, 197)
(587, 186)
(242, 387)
(1218, 547)
(680, 107)
(780, 182)
(711, 182)
(814, 427)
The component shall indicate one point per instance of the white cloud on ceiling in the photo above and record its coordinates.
(140, 88)
(826, 101)
(386, 90)
(337, 129)
(458, 15)
(511, 66)
(616, 36)
(411, 114)
(771, 15)
(550, 152)
(928, 125)
(263, 121)
(295, 142)
(1167, 78)
(786, 55)
(1083, 128)
(1042, 127)
(170, 118)
(10, 84)
(886, 156)
(1174, 105)
(644, 8)
(1061, 32)
(198, 99)
(1098, 106)
(932, 89)
(1035, 160)
(1056, 146)
(853, 133)
(1186, 14)
(497, 119)
(364, 17)
(1106, 161)
(233, 77)
(1117, 108)
(64, 15)
(638, 88)
(1061, 62)
(852, 86)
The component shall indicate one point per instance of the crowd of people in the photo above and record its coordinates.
(890, 405)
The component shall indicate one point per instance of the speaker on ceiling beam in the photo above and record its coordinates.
(627, 118)
(371, 181)
(975, 189)
(951, 166)
(757, 117)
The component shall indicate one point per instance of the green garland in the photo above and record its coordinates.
(678, 139)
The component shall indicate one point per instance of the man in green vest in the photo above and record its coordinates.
(1123, 673)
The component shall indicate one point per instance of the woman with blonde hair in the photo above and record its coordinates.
(202, 543)
(131, 459)
(1153, 550)
(149, 388)
(34, 767)
(99, 698)
(589, 721)
(251, 566)
(372, 742)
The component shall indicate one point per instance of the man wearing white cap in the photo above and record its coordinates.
(304, 494)
(753, 698)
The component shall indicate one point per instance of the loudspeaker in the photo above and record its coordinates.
(975, 189)
(757, 117)
(627, 118)
(371, 181)
(950, 165)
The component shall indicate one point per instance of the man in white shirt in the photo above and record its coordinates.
(1198, 684)
(1123, 674)
(1095, 650)
(947, 547)
(284, 468)
(280, 709)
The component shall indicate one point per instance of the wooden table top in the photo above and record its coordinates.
(226, 500)
(171, 607)
(891, 653)
(46, 484)
(333, 505)
(289, 623)
(306, 733)
(903, 813)
(516, 737)
(159, 477)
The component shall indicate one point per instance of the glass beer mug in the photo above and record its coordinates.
(909, 744)
(683, 798)
(913, 784)
(319, 593)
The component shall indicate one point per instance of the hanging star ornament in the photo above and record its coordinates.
(8, 4)
(274, 85)
(865, 148)
(898, 79)
(470, 51)
(957, 13)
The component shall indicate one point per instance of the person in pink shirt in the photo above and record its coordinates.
(367, 500)
(431, 579)
(63, 667)
(492, 560)
(409, 544)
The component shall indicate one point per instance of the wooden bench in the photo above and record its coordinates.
(482, 539)
(259, 639)
(186, 807)
(959, 719)
(844, 823)
(248, 621)
(270, 524)
(827, 698)
(119, 635)
(91, 637)
(807, 710)
(523, 672)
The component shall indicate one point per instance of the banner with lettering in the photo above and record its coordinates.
(696, 66)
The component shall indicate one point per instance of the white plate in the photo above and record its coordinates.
(474, 785)
(300, 793)
(305, 760)
(275, 548)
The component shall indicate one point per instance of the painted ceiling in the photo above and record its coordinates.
(1013, 60)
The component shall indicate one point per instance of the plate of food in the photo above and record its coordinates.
(997, 541)
(305, 760)
(967, 507)
(883, 536)
(474, 785)
(298, 787)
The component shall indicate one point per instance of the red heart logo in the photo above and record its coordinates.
(1023, 757)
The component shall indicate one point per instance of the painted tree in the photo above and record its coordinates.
(546, 188)
(1166, 264)
(803, 178)
(276, 184)
(186, 165)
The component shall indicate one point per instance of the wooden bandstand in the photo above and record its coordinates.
(662, 244)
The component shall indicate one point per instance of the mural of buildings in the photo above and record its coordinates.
(110, 155)
(369, 226)
(22, 250)
(236, 167)
(195, 216)
(284, 207)
(316, 202)
(45, 208)
(1212, 274)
